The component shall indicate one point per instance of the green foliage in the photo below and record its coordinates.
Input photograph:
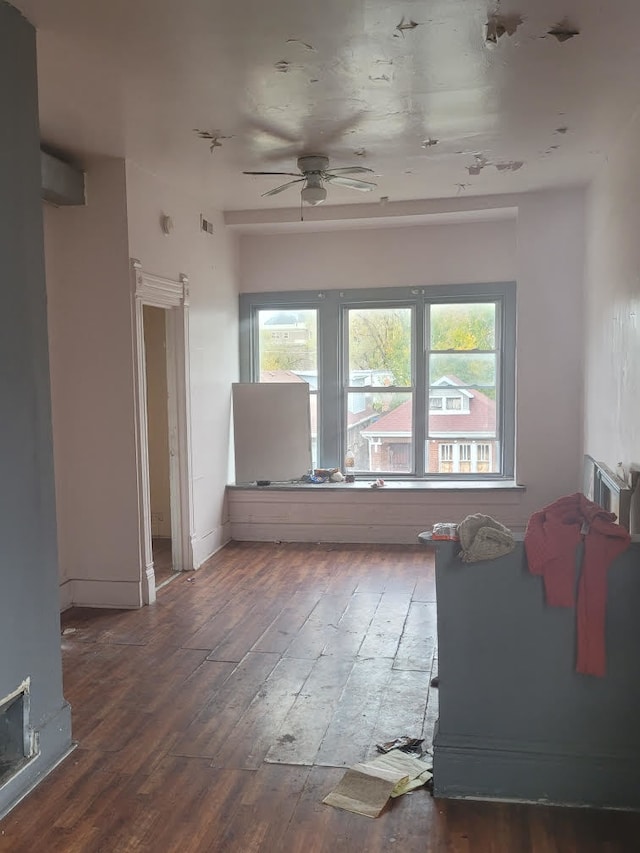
(463, 327)
(380, 339)
(468, 328)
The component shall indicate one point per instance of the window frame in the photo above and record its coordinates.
(333, 367)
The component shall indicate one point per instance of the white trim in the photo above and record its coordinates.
(107, 593)
(147, 289)
(65, 595)
(209, 543)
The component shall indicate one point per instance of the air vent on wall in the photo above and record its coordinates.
(205, 225)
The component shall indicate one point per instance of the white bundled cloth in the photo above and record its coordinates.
(484, 538)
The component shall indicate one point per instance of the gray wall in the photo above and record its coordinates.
(29, 613)
(516, 720)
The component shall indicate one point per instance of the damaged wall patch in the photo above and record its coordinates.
(500, 25)
(405, 25)
(214, 137)
(480, 162)
(563, 31)
(510, 166)
(304, 44)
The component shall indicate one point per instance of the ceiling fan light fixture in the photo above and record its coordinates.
(313, 194)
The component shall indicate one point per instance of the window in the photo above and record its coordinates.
(287, 351)
(484, 458)
(417, 382)
(446, 458)
(465, 458)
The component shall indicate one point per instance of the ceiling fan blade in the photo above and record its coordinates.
(353, 170)
(353, 183)
(295, 174)
(283, 187)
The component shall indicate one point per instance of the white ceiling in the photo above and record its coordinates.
(133, 78)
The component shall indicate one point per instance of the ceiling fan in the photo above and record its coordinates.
(314, 172)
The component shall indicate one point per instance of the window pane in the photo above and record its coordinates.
(463, 326)
(379, 346)
(466, 415)
(445, 456)
(380, 431)
(287, 346)
(462, 369)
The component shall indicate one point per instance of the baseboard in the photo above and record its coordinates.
(54, 737)
(65, 592)
(204, 547)
(106, 593)
(548, 775)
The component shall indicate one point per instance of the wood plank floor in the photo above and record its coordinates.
(162, 560)
(218, 719)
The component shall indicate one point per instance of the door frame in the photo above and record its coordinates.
(159, 292)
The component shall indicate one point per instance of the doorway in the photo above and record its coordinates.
(161, 334)
(154, 321)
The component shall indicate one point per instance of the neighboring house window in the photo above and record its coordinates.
(484, 458)
(395, 374)
(446, 458)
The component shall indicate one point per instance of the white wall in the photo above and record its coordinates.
(91, 356)
(544, 252)
(379, 257)
(210, 263)
(549, 441)
(612, 345)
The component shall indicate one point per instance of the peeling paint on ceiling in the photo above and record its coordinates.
(296, 76)
(563, 31)
(405, 24)
(499, 25)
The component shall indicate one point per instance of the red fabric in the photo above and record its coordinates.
(550, 543)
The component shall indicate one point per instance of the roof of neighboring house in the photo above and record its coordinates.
(481, 418)
(353, 418)
(283, 318)
(279, 376)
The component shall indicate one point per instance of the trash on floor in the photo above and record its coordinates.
(366, 788)
(68, 631)
(405, 744)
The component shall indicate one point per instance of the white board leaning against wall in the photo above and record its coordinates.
(272, 431)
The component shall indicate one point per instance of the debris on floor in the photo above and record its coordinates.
(405, 744)
(68, 631)
(366, 788)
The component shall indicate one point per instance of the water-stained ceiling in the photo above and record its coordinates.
(439, 98)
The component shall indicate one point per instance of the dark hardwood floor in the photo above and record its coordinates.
(218, 719)
(162, 561)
